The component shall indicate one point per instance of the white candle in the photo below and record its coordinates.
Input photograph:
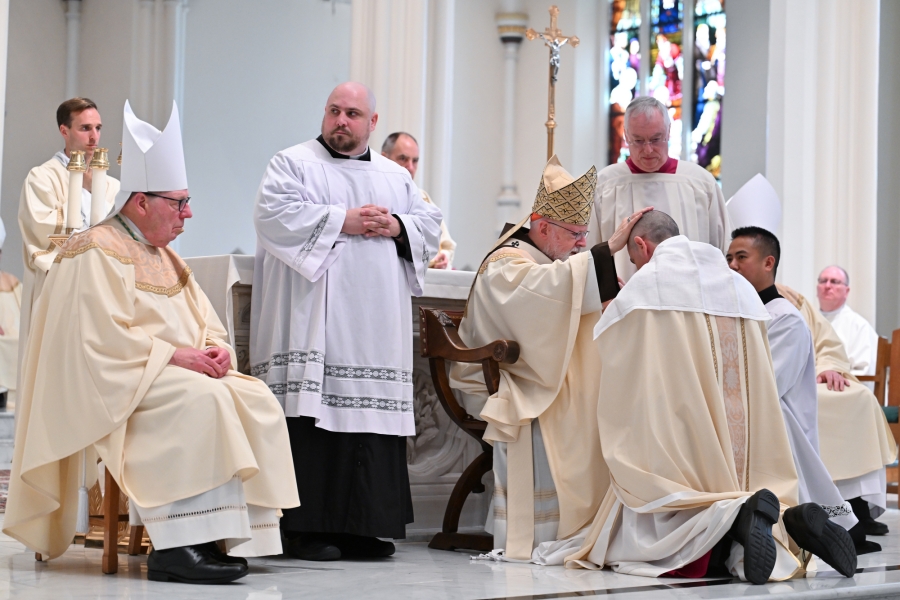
(73, 218)
(98, 195)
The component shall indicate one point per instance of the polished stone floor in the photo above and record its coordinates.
(416, 572)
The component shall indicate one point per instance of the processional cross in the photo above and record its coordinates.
(553, 39)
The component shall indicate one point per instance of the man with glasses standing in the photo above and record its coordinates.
(538, 288)
(650, 177)
(859, 338)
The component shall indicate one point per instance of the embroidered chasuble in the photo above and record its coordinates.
(10, 313)
(689, 195)
(855, 439)
(331, 325)
(688, 417)
(550, 308)
(95, 376)
(43, 212)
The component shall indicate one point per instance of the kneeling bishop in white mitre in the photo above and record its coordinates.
(128, 361)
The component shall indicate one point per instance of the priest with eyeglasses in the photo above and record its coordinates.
(650, 177)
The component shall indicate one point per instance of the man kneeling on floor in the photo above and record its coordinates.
(699, 459)
(128, 360)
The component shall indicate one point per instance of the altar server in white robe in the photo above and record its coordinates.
(701, 476)
(858, 336)
(754, 253)
(344, 241)
(43, 202)
(681, 189)
(10, 313)
(128, 361)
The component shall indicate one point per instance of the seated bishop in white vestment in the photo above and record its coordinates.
(331, 327)
(128, 362)
(855, 440)
(701, 475)
(859, 338)
(681, 189)
(537, 288)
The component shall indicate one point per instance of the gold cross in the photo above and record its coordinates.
(554, 40)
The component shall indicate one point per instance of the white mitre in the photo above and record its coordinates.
(152, 160)
(756, 204)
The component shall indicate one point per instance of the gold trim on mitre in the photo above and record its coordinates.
(563, 198)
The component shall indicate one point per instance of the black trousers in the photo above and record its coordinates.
(354, 483)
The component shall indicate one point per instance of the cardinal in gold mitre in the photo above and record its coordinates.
(537, 287)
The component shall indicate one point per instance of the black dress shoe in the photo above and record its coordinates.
(864, 515)
(361, 546)
(862, 545)
(753, 530)
(305, 547)
(223, 557)
(808, 525)
(191, 564)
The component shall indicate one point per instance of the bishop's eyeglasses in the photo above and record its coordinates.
(576, 235)
(182, 202)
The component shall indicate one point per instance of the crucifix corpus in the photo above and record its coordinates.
(553, 39)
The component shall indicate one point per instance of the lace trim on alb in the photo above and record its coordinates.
(264, 526)
(196, 513)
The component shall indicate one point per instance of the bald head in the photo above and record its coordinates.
(654, 227)
(350, 118)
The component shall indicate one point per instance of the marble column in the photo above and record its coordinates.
(73, 31)
(511, 28)
(158, 58)
(822, 148)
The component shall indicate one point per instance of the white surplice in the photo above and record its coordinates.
(794, 359)
(859, 338)
(331, 322)
(690, 196)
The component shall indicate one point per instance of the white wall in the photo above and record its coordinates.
(257, 75)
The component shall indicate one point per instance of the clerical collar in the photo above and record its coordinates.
(769, 294)
(365, 156)
(830, 314)
(669, 167)
(132, 229)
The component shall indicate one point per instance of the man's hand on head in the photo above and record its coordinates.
(619, 238)
(197, 360)
(833, 380)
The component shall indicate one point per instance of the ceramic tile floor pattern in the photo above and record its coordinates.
(417, 572)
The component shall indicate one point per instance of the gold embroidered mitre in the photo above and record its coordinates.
(562, 197)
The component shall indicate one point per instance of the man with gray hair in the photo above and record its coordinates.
(650, 177)
(859, 338)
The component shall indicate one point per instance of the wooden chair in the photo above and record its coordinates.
(110, 520)
(440, 342)
(888, 362)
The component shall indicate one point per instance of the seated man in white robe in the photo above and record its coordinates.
(682, 189)
(855, 439)
(698, 456)
(858, 336)
(755, 254)
(538, 288)
(128, 361)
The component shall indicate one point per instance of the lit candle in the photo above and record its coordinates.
(99, 166)
(76, 180)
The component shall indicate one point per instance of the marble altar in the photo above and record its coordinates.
(439, 452)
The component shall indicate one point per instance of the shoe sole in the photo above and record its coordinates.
(164, 577)
(759, 547)
(809, 526)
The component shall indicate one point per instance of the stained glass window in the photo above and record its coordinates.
(667, 64)
(691, 88)
(709, 84)
(624, 66)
